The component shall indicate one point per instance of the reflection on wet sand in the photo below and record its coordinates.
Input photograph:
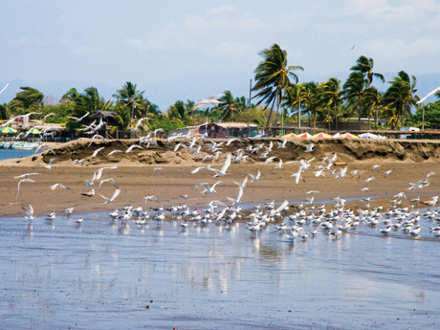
(106, 273)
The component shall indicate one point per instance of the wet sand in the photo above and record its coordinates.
(170, 181)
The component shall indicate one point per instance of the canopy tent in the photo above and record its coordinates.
(369, 136)
(33, 131)
(348, 136)
(305, 136)
(336, 135)
(322, 136)
(290, 135)
(8, 130)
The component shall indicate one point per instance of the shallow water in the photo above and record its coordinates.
(104, 275)
(15, 153)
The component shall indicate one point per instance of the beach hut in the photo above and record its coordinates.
(8, 130)
(33, 131)
(322, 136)
(290, 135)
(348, 136)
(305, 136)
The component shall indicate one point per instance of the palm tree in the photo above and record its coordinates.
(373, 101)
(227, 105)
(130, 96)
(272, 77)
(331, 96)
(293, 98)
(365, 66)
(401, 95)
(354, 92)
(310, 99)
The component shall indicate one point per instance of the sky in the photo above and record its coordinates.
(188, 50)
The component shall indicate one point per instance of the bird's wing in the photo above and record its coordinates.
(115, 194)
(226, 164)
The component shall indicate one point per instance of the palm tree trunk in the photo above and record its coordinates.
(336, 116)
(299, 112)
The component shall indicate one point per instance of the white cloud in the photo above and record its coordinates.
(234, 48)
(222, 9)
(398, 48)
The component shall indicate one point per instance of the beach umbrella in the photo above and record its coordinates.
(8, 130)
(33, 131)
(368, 136)
(322, 136)
(305, 136)
(335, 136)
(348, 136)
(290, 135)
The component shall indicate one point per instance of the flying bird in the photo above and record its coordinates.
(212, 100)
(20, 182)
(58, 185)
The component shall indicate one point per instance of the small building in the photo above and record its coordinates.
(226, 130)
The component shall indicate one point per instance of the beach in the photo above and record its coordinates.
(164, 173)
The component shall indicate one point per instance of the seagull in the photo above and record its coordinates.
(386, 173)
(255, 177)
(243, 183)
(212, 100)
(139, 122)
(114, 152)
(310, 147)
(208, 189)
(282, 145)
(112, 199)
(113, 182)
(224, 169)
(47, 116)
(96, 152)
(4, 88)
(238, 199)
(44, 146)
(372, 179)
(96, 136)
(26, 175)
(89, 194)
(58, 185)
(357, 173)
(151, 198)
(29, 212)
(130, 148)
(20, 182)
(269, 160)
(79, 119)
(101, 170)
(79, 220)
(298, 175)
(194, 171)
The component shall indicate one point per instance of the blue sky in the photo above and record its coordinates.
(192, 49)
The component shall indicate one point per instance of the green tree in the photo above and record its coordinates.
(331, 98)
(131, 97)
(365, 66)
(401, 95)
(272, 77)
(227, 106)
(29, 99)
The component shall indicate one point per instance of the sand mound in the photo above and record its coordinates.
(114, 151)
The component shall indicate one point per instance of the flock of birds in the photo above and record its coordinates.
(305, 214)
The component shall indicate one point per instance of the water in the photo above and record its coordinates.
(14, 153)
(111, 276)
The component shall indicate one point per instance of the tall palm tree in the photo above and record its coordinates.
(373, 102)
(354, 92)
(401, 95)
(310, 98)
(331, 96)
(130, 96)
(272, 77)
(365, 66)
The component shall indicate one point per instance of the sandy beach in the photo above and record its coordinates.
(164, 173)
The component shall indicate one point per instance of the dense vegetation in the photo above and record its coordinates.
(276, 89)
